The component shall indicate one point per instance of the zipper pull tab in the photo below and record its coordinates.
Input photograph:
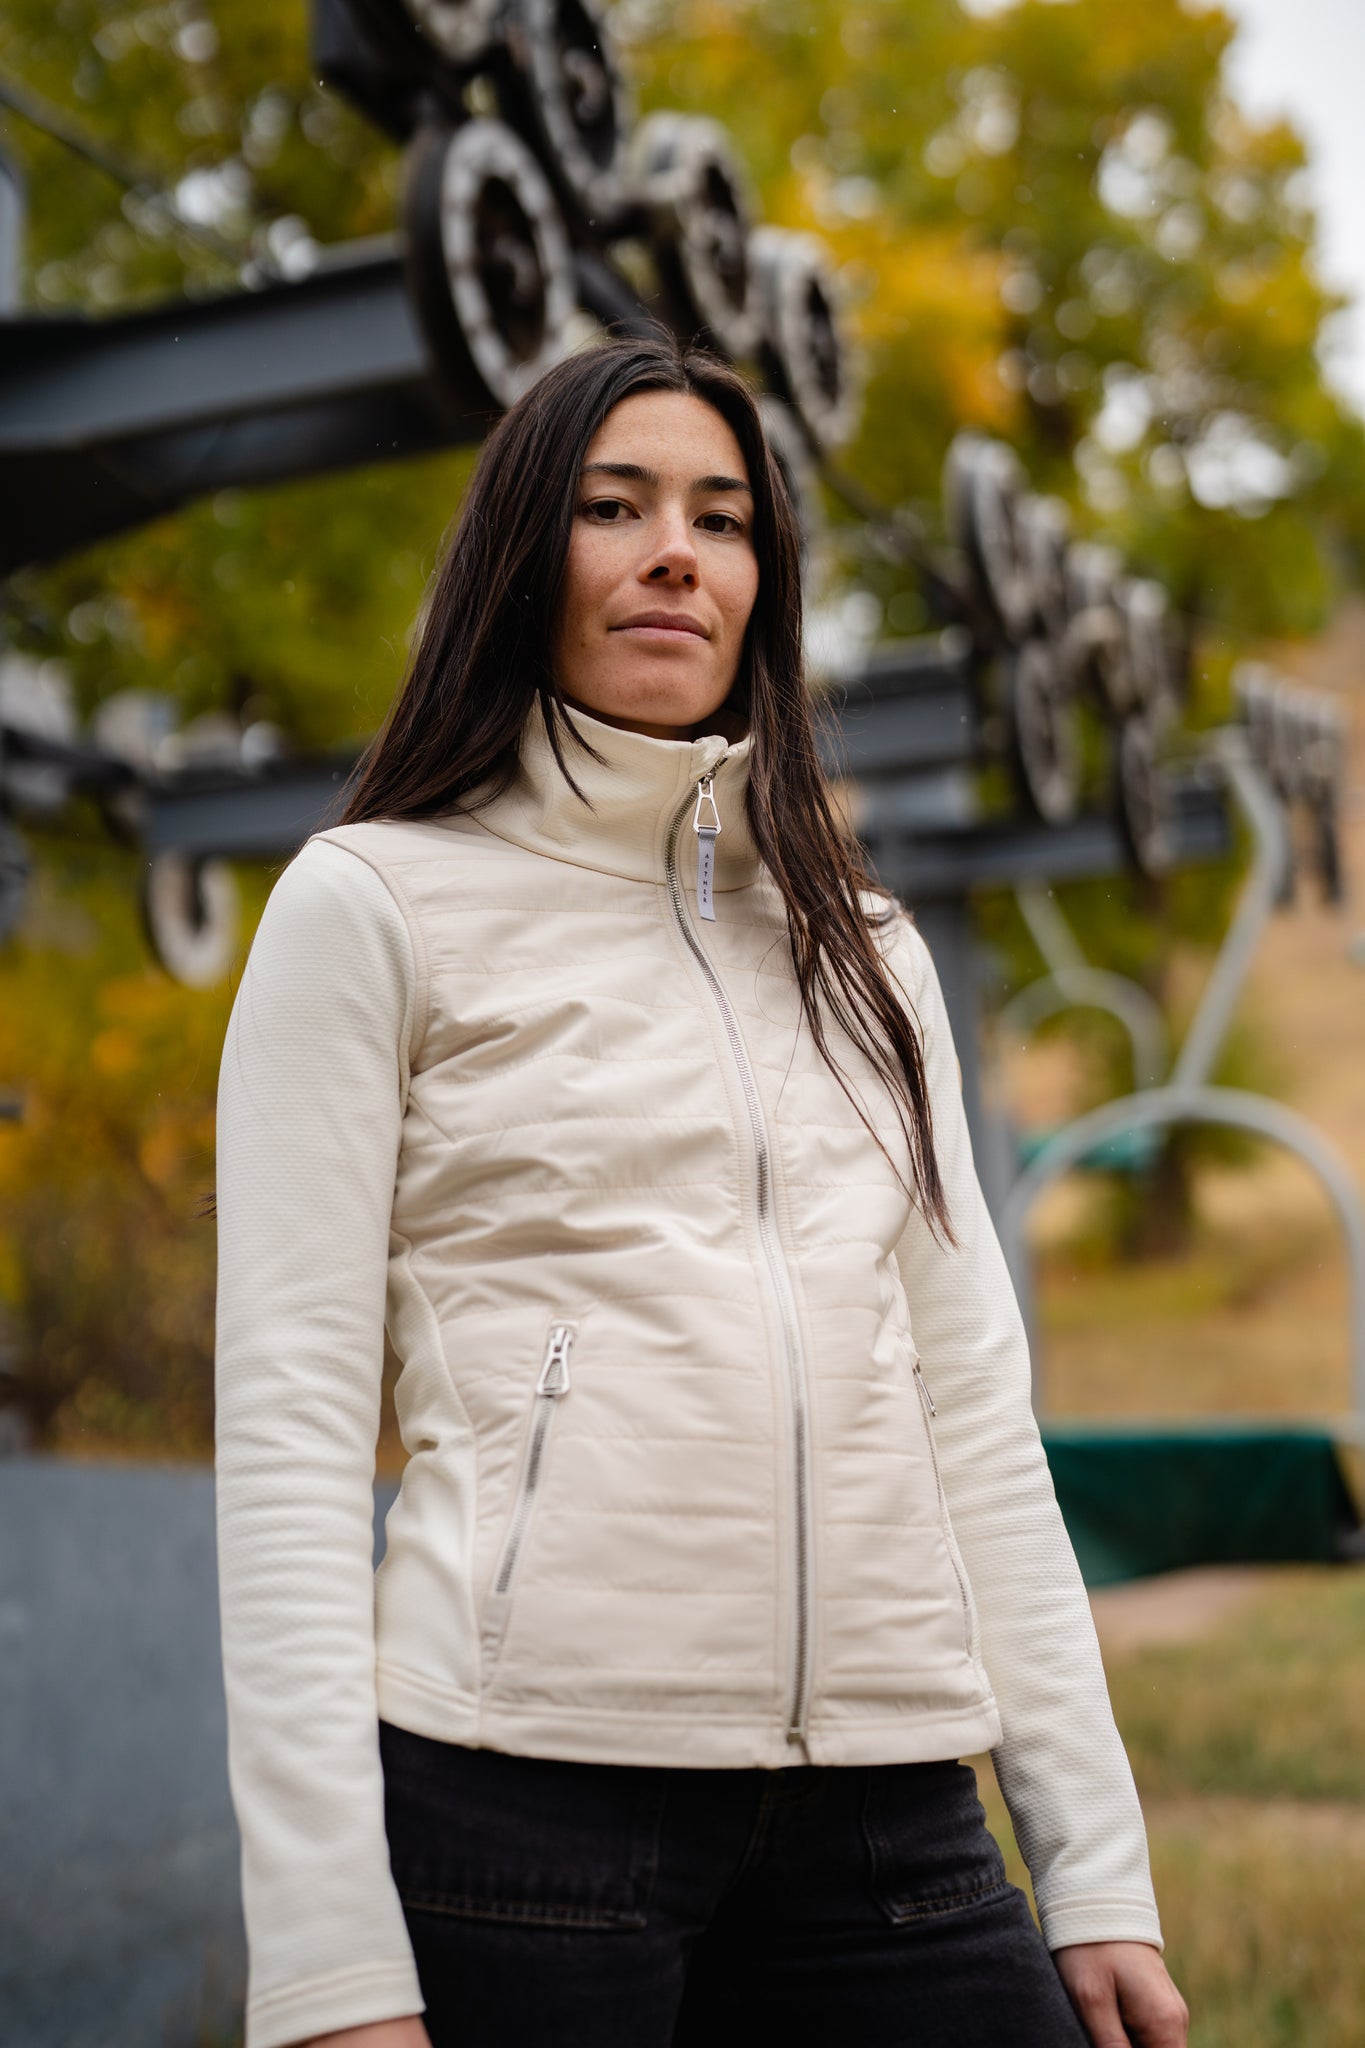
(924, 1389)
(554, 1373)
(707, 828)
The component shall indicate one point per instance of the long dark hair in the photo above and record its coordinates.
(483, 656)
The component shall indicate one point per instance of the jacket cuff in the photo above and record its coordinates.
(352, 1997)
(1118, 1917)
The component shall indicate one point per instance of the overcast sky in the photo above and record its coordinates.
(1306, 58)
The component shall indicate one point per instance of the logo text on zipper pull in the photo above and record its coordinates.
(707, 826)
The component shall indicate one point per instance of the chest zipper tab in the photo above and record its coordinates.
(707, 826)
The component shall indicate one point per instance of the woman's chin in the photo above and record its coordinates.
(659, 715)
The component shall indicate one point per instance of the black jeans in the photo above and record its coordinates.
(560, 1905)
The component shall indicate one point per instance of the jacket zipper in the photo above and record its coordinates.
(551, 1387)
(930, 1411)
(767, 1230)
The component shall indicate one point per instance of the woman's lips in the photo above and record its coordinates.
(662, 626)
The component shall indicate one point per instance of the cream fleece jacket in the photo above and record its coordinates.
(497, 1092)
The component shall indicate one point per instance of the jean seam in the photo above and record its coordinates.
(633, 1880)
(524, 1914)
(948, 1902)
(757, 1837)
(644, 1863)
(899, 1910)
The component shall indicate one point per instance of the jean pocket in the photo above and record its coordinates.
(929, 1849)
(531, 1840)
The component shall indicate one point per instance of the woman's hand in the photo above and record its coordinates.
(404, 2033)
(1123, 1994)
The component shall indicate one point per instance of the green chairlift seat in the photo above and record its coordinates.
(1151, 1497)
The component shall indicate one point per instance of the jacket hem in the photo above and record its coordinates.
(353, 1997)
(410, 1700)
(1120, 1916)
(689, 1738)
(907, 1738)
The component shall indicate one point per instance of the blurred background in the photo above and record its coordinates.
(1125, 244)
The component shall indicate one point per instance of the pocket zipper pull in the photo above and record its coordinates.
(707, 831)
(924, 1389)
(554, 1373)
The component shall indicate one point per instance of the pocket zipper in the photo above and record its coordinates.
(922, 1383)
(551, 1387)
(930, 1410)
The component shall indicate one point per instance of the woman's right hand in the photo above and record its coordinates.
(405, 2033)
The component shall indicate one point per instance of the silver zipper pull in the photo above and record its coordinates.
(554, 1373)
(707, 830)
(924, 1389)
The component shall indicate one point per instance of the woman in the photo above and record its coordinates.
(582, 1066)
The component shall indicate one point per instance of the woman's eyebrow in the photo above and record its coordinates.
(630, 472)
(636, 473)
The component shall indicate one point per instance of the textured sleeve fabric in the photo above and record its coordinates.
(310, 1103)
(1060, 1762)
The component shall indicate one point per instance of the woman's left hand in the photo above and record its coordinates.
(1123, 1994)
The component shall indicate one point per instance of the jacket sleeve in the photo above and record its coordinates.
(1061, 1765)
(310, 1104)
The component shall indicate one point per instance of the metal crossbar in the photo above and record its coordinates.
(1189, 1097)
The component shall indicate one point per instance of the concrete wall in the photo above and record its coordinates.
(120, 1922)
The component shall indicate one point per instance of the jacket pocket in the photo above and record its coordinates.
(552, 1387)
(959, 1571)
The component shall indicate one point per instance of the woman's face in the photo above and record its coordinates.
(661, 572)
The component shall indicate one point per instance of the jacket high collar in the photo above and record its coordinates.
(633, 795)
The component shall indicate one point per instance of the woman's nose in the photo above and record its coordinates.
(674, 559)
(666, 571)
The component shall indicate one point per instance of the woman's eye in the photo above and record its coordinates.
(721, 522)
(607, 511)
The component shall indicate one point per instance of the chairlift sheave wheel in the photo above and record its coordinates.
(464, 32)
(189, 910)
(1044, 526)
(573, 97)
(1044, 730)
(1324, 767)
(983, 487)
(1095, 642)
(1146, 806)
(490, 261)
(1147, 633)
(800, 313)
(686, 176)
(792, 453)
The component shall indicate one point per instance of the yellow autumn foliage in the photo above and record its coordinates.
(106, 1268)
(1029, 212)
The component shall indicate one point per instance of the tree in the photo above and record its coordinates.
(1059, 225)
(1053, 223)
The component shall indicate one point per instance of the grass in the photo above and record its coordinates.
(1249, 1749)
(1249, 1752)
(1261, 1901)
(1248, 1745)
(1251, 1319)
(1271, 1704)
